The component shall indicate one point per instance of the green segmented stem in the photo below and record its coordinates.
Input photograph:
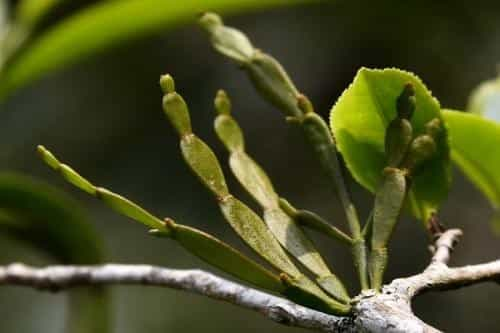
(391, 194)
(389, 200)
(247, 224)
(199, 243)
(274, 84)
(313, 221)
(254, 179)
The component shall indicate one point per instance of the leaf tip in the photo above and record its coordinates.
(222, 103)
(167, 83)
(209, 20)
(48, 157)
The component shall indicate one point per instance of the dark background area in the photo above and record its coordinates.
(104, 118)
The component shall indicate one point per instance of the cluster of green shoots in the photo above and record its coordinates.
(278, 235)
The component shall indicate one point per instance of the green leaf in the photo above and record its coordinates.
(485, 100)
(29, 12)
(473, 142)
(106, 24)
(359, 121)
(39, 215)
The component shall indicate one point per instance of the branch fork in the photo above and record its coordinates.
(388, 311)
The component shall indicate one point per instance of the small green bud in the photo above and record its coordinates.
(167, 83)
(434, 127)
(397, 140)
(222, 103)
(422, 148)
(406, 102)
(176, 110)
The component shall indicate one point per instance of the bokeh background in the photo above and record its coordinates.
(103, 116)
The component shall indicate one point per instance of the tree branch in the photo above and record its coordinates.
(388, 312)
(445, 245)
(438, 276)
(56, 278)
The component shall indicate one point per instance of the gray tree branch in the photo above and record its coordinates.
(388, 312)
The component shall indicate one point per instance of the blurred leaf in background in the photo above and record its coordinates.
(48, 220)
(98, 27)
(485, 100)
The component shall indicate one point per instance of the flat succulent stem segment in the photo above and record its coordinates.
(313, 221)
(247, 224)
(274, 84)
(254, 179)
(199, 243)
(389, 200)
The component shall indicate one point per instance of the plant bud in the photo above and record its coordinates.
(397, 140)
(422, 148)
(406, 102)
(433, 127)
(222, 103)
(167, 83)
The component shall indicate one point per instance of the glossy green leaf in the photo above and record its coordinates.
(205, 246)
(47, 219)
(29, 12)
(473, 141)
(359, 121)
(108, 23)
(485, 100)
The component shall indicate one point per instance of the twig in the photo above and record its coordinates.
(371, 313)
(55, 278)
(444, 246)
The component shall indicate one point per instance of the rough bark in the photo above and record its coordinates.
(388, 311)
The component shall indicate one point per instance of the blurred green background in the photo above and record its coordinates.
(103, 116)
